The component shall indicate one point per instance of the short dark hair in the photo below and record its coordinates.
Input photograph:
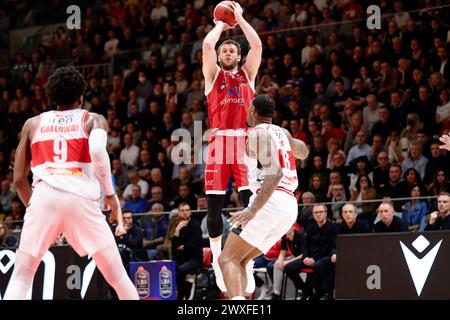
(264, 105)
(231, 41)
(182, 204)
(65, 86)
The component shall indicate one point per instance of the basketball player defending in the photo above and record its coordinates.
(273, 207)
(229, 90)
(66, 151)
(445, 139)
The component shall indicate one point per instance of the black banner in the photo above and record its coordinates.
(393, 266)
(62, 274)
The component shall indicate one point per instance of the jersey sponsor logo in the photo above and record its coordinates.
(234, 91)
(239, 101)
(77, 171)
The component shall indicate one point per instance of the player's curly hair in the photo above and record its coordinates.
(65, 86)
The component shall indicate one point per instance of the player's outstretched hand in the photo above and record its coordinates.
(116, 212)
(445, 139)
(241, 218)
(120, 230)
(238, 11)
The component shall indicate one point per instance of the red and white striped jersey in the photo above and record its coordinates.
(229, 99)
(60, 153)
(289, 181)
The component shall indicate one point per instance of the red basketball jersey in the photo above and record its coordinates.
(60, 153)
(229, 100)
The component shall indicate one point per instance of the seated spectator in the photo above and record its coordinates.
(293, 246)
(415, 210)
(439, 185)
(186, 247)
(360, 149)
(365, 191)
(334, 147)
(361, 166)
(134, 179)
(130, 154)
(412, 178)
(318, 187)
(6, 196)
(414, 124)
(157, 196)
(155, 229)
(381, 172)
(416, 159)
(165, 248)
(436, 162)
(440, 220)
(136, 204)
(305, 218)
(338, 197)
(6, 240)
(320, 237)
(184, 195)
(388, 221)
(351, 224)
(132, 239)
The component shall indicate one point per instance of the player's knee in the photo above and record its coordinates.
(224, 260)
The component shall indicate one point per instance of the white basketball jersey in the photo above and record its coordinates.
(289, 181)
(60, 153)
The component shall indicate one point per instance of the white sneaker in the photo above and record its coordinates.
(250, 279)
(266, 293)
(219, 277)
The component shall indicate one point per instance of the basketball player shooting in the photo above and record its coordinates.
(66, 151)
(229, 90)
(273, 208)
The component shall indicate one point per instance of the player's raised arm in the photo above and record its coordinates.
(209, 59)
(254, 55)
(22, 162)
(299, 148)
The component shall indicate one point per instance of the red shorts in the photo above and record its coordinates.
(225, 158)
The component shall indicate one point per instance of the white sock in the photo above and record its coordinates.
(216, 247)
(238, 298)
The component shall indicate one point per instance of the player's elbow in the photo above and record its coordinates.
(257, 44)
(207, 46)
(19, 180)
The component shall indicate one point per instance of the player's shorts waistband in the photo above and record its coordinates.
(289, 192)
(229, 132)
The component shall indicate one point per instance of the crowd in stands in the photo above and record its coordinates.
(370, 104)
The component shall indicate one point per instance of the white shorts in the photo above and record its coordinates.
(52, 212)
(272, 222)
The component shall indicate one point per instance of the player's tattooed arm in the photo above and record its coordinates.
(260, 144)
(23, 161)
(299, 148)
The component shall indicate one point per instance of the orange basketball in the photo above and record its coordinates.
(224, 12)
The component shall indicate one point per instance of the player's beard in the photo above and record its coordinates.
(228, 67)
